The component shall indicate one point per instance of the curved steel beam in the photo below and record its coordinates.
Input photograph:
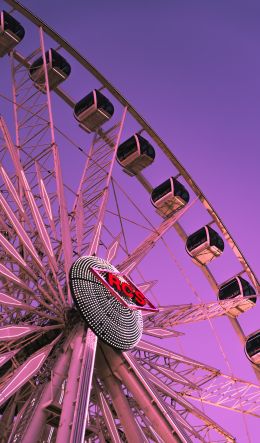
(87, 65)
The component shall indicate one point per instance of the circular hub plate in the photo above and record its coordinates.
(117, 325)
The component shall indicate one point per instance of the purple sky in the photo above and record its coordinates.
(192, 70)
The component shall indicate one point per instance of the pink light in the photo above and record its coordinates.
(8, 300)
(10, 332)
(23, 375)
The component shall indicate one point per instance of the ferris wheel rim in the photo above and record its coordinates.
(171, 157)
(146, 184)
(152, 133)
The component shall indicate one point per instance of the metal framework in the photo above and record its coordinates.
(58, 382)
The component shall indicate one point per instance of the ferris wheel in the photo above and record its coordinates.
(86, 237)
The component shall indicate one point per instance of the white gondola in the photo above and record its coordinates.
(169, 196)
(11, 33)
(93, 111)
(135, 154)
(252, 347)
(204, 245)
(237, 288)
(57, 67)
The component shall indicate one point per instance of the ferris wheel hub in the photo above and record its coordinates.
(108, 302)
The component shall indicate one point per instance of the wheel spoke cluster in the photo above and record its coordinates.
(58, 381)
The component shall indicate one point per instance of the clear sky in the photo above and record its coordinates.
(192, 69)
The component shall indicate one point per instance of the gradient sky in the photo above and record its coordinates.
(192, 69)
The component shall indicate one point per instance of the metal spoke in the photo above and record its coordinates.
(58, 382)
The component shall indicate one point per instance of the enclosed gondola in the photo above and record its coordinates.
(93, 110)
(252, 347)
(135, 154)
(57, 67)
(204, 245)
(11, 33)
(169, 196)
(238, 288)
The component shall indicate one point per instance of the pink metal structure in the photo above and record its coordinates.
(58, 381)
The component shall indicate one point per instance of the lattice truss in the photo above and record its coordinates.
(56, 379)
(164, 322)
(34, 327)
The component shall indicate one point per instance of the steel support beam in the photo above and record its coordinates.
(85, 383)
(121, 405)
(160, 418)
(38, 417)
(68, 405)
